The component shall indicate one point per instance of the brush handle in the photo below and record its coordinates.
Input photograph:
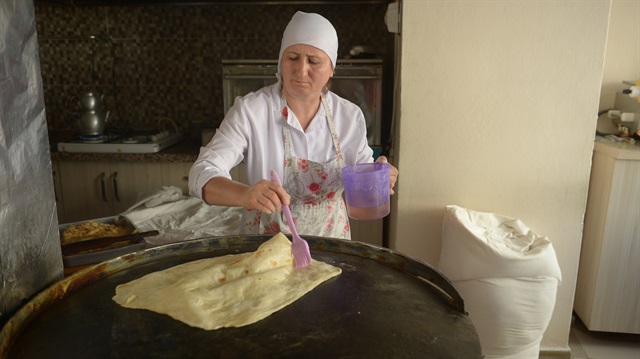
(285, 208)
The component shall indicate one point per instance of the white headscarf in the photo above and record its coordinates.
(309, 29)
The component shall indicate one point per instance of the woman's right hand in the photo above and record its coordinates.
(265, 196)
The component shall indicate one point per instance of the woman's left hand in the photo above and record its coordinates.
(393, 173)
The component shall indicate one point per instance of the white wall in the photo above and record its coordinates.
(497, 104)
(622, 58)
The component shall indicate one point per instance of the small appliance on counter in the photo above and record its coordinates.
(93, 136)
(128, 142)
(626, 112)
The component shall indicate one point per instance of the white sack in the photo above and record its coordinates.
(509, 314)
(506, 274)
(491, 245)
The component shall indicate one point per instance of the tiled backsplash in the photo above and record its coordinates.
(164, 61)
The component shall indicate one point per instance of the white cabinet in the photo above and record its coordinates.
(82, 185)
(608, 285)
(177, 174)
(95, 189)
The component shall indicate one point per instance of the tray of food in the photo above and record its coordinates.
(96, 240)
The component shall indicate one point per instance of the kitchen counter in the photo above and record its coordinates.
(185, 151)
(610, 244)
(618, 150)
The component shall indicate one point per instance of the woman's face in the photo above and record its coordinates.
(305, 70)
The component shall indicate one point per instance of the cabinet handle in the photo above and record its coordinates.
(115, 186)
(185, 178)
(103, 188)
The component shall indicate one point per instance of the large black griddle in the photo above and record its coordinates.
(383, 305)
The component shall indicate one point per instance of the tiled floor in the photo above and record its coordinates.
(586, 344)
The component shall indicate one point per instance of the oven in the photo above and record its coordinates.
(357, 80)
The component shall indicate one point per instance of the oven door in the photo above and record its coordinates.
(359, 81)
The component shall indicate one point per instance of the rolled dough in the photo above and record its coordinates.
(228, 291)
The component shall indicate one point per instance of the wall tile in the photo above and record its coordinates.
(165, 60)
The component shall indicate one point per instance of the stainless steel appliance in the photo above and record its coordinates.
(357, 80)
(122, 143)
(626, 111)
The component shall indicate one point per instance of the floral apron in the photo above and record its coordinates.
(315, 188)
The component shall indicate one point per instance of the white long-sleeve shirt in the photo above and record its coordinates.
(252, 131)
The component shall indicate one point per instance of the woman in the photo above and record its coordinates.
(296, 127)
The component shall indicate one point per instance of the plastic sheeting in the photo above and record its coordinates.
(30, 257)
(506, 274)
(179, 218)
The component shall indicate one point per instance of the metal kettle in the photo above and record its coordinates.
(91, 101)
(93, 119)
(92, 123)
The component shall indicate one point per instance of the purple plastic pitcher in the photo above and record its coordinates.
(366, 188)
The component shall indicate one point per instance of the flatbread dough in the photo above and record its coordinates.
(229, 291)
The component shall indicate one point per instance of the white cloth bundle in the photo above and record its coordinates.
(506, 274)
(180, 218)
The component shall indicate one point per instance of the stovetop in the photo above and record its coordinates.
(122, 143)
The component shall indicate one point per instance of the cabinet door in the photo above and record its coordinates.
(607, 287)
(57, 190)
(102, 189)
(85, 190)
(176, 174)
(129, 182)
